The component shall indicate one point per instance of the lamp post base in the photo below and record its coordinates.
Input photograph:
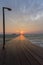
(3, 47)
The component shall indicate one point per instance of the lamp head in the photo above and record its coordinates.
(9, 9)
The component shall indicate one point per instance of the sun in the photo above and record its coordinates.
(21, 32)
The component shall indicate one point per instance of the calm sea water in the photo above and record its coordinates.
(7, 37)
(36, 39)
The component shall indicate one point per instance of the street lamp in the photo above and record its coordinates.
(4, 24)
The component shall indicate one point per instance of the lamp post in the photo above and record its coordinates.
(4, 25)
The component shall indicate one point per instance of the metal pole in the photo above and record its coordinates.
(3, 29)
(4, 25)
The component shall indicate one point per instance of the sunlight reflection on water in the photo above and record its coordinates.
(21, 37)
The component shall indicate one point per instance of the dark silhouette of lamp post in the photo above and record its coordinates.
(4, 25)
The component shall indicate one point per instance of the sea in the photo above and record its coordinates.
(8, 37)
(36, 39)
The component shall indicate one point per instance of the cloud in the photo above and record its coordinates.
(36, 16)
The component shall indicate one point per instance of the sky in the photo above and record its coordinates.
(26, 16)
